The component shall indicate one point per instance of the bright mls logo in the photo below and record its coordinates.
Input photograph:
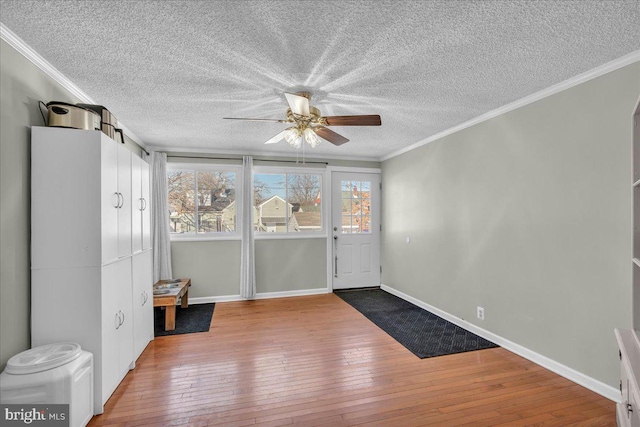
(34, 415)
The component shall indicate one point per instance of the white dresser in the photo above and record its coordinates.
(628, 410)
(91, 274)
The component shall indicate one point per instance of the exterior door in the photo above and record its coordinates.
(355, 228)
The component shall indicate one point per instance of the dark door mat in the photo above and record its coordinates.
(420, 331)
(195, 318)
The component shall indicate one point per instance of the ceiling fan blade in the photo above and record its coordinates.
(299, 104)
(255, 120)
(279, 137)
(365, 120)
(329, 135)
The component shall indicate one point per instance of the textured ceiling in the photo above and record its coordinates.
(170, 70)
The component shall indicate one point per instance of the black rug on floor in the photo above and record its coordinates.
(195, 318)
(421, 332)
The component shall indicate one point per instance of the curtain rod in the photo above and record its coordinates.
(236, 158)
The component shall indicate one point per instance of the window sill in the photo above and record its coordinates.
(257, 236)
(194, 238)
(285, 236)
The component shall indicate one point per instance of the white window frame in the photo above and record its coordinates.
(324, 188)
(213, 167)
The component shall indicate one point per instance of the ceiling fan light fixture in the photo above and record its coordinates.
(311, 137)
(310, 126)
(293, 137)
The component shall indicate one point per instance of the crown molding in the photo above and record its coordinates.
(27, 51)
(551, 90)
(223, 152)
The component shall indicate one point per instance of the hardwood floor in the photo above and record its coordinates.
(316, 361)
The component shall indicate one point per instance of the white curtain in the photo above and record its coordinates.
(247, 260)
(160, 218)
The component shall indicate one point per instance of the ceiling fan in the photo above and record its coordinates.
(310, 125)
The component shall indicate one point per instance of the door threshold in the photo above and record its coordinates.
(368, 288)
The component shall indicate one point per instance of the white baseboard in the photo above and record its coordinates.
(592, 384)
(261, 295)
(296, 293)
(207, 300)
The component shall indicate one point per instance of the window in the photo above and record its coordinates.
(202, 201)
(356, 206)
(287, 202)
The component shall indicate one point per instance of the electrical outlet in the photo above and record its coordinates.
(480, 313)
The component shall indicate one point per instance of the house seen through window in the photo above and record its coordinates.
(201, 201)
(287, 202)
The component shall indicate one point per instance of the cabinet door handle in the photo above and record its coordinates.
(145, 204)
(122, 318)
(117, 202)
(118, 321)
(121, 200)
(629, 408)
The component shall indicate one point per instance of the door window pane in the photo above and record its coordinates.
(356, 206)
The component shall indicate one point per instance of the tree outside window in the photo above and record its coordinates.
(288, 202)
(201, 201)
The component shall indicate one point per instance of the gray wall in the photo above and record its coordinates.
(281, 265)
(212, 266)
(22, 85)
(529, 216)
(288, 265)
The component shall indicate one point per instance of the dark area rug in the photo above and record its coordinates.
(420, 331)
(195, 318)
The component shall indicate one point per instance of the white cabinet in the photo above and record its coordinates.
(110, 200)
(125, 208)
(117, 324)
(141, 223)
(81, 200)
(84, 278)
(142, 299)
(136, 197)
(146, 206)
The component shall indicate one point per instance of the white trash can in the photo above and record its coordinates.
(51, 374)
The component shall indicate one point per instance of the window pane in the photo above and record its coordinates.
(304, 195)
(270, 193)
(181, 201)
(287, 202)
(216, 197)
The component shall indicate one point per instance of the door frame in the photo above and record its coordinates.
(329, 207)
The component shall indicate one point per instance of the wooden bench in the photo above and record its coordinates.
(169, 300)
